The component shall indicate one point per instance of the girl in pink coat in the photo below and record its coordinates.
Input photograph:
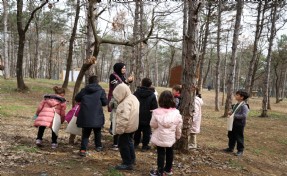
(46, 111)
(166, 122)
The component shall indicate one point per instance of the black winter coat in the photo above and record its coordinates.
(148, 102)
(91, 114)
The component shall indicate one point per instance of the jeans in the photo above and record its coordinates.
(126, 147)
(86, 132)
(164, 154)
(41, 133)
(146, 130)
(236, 136)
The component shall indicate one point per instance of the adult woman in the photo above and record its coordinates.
(117, 77)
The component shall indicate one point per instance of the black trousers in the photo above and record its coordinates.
(236, 136)
(126, 147)
(86, 132)
(41, 131)
(146, 131)
(164, 154)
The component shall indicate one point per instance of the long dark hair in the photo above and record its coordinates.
(166, 100)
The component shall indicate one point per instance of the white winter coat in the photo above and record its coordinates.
(196, 120)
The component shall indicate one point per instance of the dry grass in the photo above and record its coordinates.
(265, 141)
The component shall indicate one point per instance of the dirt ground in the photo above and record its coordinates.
(265, 142)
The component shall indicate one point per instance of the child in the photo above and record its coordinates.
(74, 111)
(127, 120)
(166, 122)
(176, 91)
(148, 102)
(196, 120)
(55, 103)
(113, 104)
(240, 111)
(91, 116)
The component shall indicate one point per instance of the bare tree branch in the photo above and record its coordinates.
(33, 14)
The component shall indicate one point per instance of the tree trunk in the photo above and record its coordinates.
(71, 46)
(135, 49)
(50, 70)
(22, 32)
(217, 72)
(284, 85)
(5, 40)
(36, 56)
(189, 73)
(232, 65)
(202, 60)
(258, 32)
(172, 54)
(184, 32)
(90, 60)
(156, 68)
(224, 69)
(238, 70)
(208, 67)
(269, 58)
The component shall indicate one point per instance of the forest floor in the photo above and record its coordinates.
(265, 142)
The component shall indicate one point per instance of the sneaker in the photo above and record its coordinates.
(115, 147)
(239, 153)
(99, 149)
(154, 173)
(145, 148)
(54, 145)
(168, 173)
(83, 153)
(124, 167)
(192, 147)
(228, 150)
(39, 142)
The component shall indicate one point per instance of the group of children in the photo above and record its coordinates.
(135, 118)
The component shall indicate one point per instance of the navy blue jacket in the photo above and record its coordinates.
(91, 114)
(148, 102)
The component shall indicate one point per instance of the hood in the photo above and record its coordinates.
(118, 68)
(91, 88)
(121, 92)
(165, 117)
(198, 100)
(144, 92)
(53, 100)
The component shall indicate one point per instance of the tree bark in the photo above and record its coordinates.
(232, 65)
(208, 67)
(217, 72)
(189, 72)
(258, 32)
(135, 49)
(5, 40)
(202, 60)
(22, 35)
(184, 33)
(71, 46)
(268, 59)
(224, 69)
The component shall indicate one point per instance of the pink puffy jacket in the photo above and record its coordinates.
(45, 112)
(167, 124)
